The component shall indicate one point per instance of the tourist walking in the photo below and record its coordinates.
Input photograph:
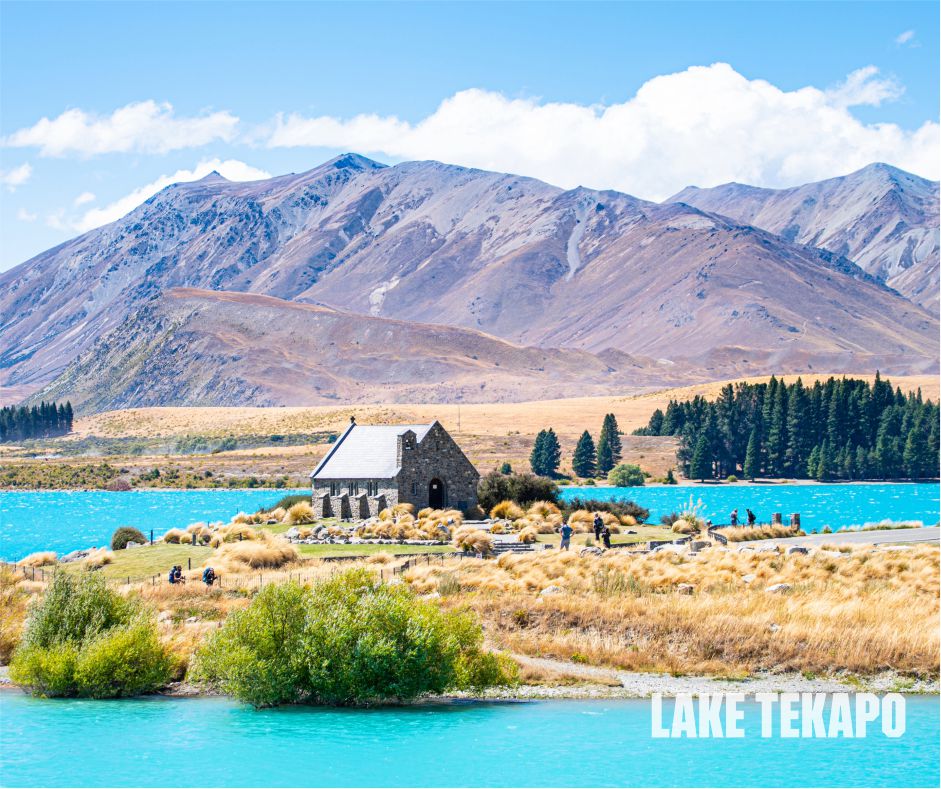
(598, 525)
(751, 517)
(566, 531)
(606, 535)
(209, 576)
(733, 518)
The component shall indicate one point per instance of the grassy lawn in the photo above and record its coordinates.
(644, 533)
(281, 528)
(322, 551)
(147, 560)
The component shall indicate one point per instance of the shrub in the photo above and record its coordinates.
(85, 639)
(543, 509)
(13, 600)
(176, 536)
(506, 509)
(617, 507)
(98, 559)
(474, 540)
(527, 535)
(124, 535)
(286, 502)
(731, 478)
(124, 661)
(626, 475)
(521, 488)
(347, 641)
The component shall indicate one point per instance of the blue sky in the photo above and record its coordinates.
(640, 97)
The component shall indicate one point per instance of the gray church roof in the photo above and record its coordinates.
(366, 452)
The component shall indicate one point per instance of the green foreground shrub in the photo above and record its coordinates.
(83, 639)
(347, 641)
(125, 534)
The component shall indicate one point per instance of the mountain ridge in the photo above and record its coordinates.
(513, 257)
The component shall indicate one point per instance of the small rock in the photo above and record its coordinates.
(431, 596)
(685, 589)
(549, 590)
(292, 533)
(191, 619)
(796, 549)
(748, 578)
(698, 545)
(778, 588)
(590, 552)
(164, 616)
(746, 549)
(774, 628)
(132, 544)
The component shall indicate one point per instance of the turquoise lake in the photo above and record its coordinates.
(65, 520)
(217, 742)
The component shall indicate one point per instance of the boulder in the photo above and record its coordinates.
(796, 549)
(293, 533)
(748, 578)
(778, 588)
(685, 589)
(670, 548)
(132, 544)
(774, 628)
(551, 590)
(590, 552)
(698, 545)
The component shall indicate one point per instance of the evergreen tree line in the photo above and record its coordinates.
(840, 429)
(39, 421)
(588, 460)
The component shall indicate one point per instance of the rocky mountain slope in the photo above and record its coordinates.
(427, 243)
(199, 347)
(882, 218)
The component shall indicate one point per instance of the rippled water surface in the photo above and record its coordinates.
(216, 742)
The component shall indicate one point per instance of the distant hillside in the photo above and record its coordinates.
(883, 219)
(659, 293)
(195, 347)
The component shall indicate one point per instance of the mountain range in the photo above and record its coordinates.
(422, 280)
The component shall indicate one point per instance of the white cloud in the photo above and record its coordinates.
(142, 127)
(26, 216)
(16, 177)
(84, 197)
(864, 87)
(233, 169)
(706, 125)
(904, 38)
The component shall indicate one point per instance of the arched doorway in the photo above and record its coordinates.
(436, 494)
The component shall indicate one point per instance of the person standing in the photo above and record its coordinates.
(598, 526)
(751, 517)
(566, 532)
(733, 518)
(606, 535)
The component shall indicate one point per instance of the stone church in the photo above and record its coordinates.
(371, 467)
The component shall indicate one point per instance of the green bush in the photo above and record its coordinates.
(626, 475)
(731, 478)
(347, 641)
(522, 488)
(286, 502)
(83, 639)
(124, 661)
(125, 534)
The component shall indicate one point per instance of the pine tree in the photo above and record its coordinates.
(751, 467)
(552, 454)
(701, 465)
(916, 456)
(537, 456)
(609, 445)
(584, 460)
(777, 433)
(825, 465)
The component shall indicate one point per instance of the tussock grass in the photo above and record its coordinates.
(98, 559)
(265, 552)
(509, 510)
(176, 536)
(862, 611)
(770, 531)
(39, 559)
(300, 513)
(474, 540)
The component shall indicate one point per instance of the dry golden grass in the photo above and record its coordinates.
(467, 538)
(746, 533)
(98, 559)
(506, 509)
(863, 611)
(265, 552)
(39, 559)
(299, 513)
(15, 593)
